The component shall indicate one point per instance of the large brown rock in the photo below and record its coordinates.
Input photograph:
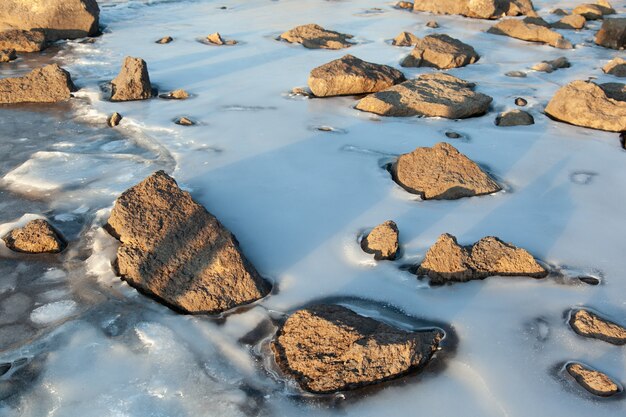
(441, 173)
(313, 36)
(589, 324)
(531, 32)
(329, 348)
(594, 11)
(440, 51)
(612, 34)
(596, 382)
(23, 40)
(587, 104)
(616, 67)
(37, 236)
(382, 241)
(480, 9)
(133, 81)
(447, 261)
(60, 19)
(177, 252)
(431, 95)
(405, 39)
(48, 84)
(351, 75)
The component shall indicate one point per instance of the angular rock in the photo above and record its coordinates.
(165, 40)
(37, 236)
(313, 36)
(405, 39)
(480, 9)
(431, 95)
(179, 94)
(115, 119)
(351, 75)
(515, 118)
(559, 12)
(329, 348)
(551, 66)
(441, 173)
(595, 382)
(612, 34)
(382, 241)
(184, 121)
(530, 32)
(587, 104)
(574, 21)
(594, 11)
(216, 39)
(616, 67)
(48, 84)
(23, 40)
(133, 81)
(440, 51)
(7, 55)
(588, 324)
(177, 252)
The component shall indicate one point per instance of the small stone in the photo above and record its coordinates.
(115, 119)
(7, 55)
(302, 91)
(542, 67)
(616, 67)
(612, 34)
(405, 39)
(550, 66)
(432, 24)
(531, 32)
(133, 81)
(49, 84)
(313, 36)
(37, 236)
(515, 118)
(216, 39)
(589, 324)
(184, 121)
(23, 40)
(574, 21)
(404, 5)
(521, 102)
(165, 40)
(516, 74)
(593, 381)
(559, 12)
(453, 135)
(382, 241)
(440, 51)
(179, 94)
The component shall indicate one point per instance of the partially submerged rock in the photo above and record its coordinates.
(431, 95)
(515, 118)
(351, 75)
(184, 121)
(115, 119)
(440, 51)
(480, 9)
(520, 101)
(48, 84)
(37, 236)
(7, 55)
(313, 36)
(133, 81)
(405, 39)
(551, 66)
(432, 24)
(216, 39)
(179, 94)
(177, 252)
(616, 67)
(531, 32)
(441, 173)
(612, 34)
(573, 21)
(329, 348)
(595, 382)
(594, 11)
(165, 40)
(588, 324)
(382, 241)
(447, 261)
(404, 5)
(23, 40)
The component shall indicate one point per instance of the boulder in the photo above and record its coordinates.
(133, 81)
(531, 32)
(115, 119)
(616, 67)
(573, 21)
(440, 51)
(480, 9)
(313, 36)
(594, 11)
(23, 40)
(216, 39)
(588, 324)
(165, 40)
(382, 241)
(441, 173)
(48, 84)
(405, 39)
(612, 34)
(431, 95)
(447, 261)
(177, 252)
(595, 382)
(515, 118)
(7, 55)
(351, 75)
(37, 236)
(60, 19)
(329, 348)
(587, 104)
(551, 66)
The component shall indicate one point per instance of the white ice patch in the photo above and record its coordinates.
(53, 312)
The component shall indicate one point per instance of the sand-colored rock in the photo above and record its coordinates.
(313, 36)
(480, 9)
(184, 121)
(37, 236)
(114, 120)
(405, 39)
(382, 241)
(217, 39)
(133, 81)
(165, 40)
(23, 40)
(553, 65)
(7, 55)
(404, 5)
(432, 24)
(351, 75)
(594, 11)
(589, 324)
(177, 252)
(179, 94)
(573, 21)
(595, 382)
(48, 84)
(530, 32)
(616, 67)
(612, 34)
(515, 118)
(329, 348)
(440, 51)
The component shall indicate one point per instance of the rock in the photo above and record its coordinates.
(37, 236)
(589, 324)
(593, 381)
(588, 104)
(441, 173)
(114, 119)
(301, 91)
(7, 55)
(515, 118)
(179, 94)
(530, 32)
(382, 241)
(404, 5)
(481, 9)
(516, 74)
(521, 102)
(177, 252)
(313, 36)
(453, 135)
(447, 261)
(440, 51)
(405, 39)
(216, 39)
(60, 19)
(574, 21)
(559, 12)
(431, 95)
(612, 34)
(48, 84)
(133, 81)
(432, 24)
(551, 66)
(185, 121)
(616, 67)
(351, 75)
(329, 348)
(23, 40)
(593, 11)
(164, 40)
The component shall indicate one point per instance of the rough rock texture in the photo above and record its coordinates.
(530, 32)
(382, 241)
(48, 84)
(329, 348)
(60, 19)
(133, 81)
(593, 381)
(594, 11)
(574, 21)
(440, 51)
(405, 39)
(553, 65)
(176, 251)
(313, 36)
(612, 34)
(589, 324)
(587, 104)
(616, 67)
(432, 95)
(23, 40)
(480, 9)
(37, 236)
(447, 261)
(216, 39)
(114, 119)
(7, 55)
(351, 75)
(515, 118)
(441, 173)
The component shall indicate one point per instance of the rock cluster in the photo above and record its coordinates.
(382, 241)
(553, 65)
(37, 236)
(23, 40)
(43, 85)
(531, 30)
(133, 81)
(313, 36)
(440, 51)
(480, 9)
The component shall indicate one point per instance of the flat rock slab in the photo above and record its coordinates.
(515, 118)
(587, 104)
(313, 36)
(531, 32)
(23, 40)
(431, 95)
(447, 261)
(616, 67)
(382, 241)
(177, 252)
(37, 236)
(329, 348)
(133, 81)
(350, 75)
(48, 84)
(596, 382)
(589, 324)
(612, 34)
(440, 51)
(479, 9)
